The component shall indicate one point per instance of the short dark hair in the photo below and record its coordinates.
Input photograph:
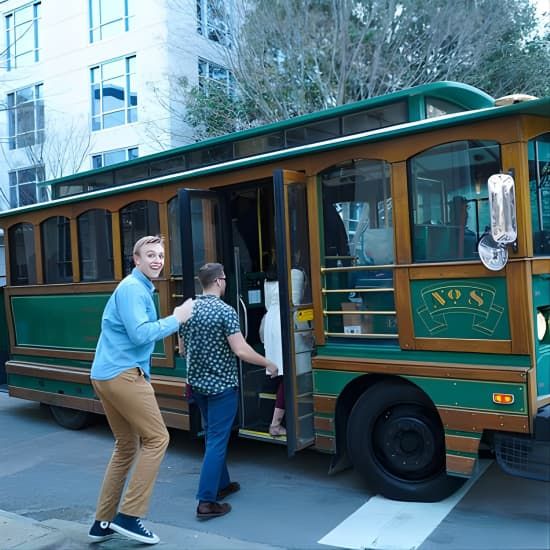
(208, 273)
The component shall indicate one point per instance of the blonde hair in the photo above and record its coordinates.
(149, 239)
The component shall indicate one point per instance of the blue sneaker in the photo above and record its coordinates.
(131, 527)
(100, 531)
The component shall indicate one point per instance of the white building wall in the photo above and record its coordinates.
(164, 38)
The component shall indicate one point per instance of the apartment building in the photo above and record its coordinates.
(86, 83)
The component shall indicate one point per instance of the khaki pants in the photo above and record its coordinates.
(140, 436)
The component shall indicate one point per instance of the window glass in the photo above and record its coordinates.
(114, 157)
(211, 74)
(22, 257)
(22, 36)
(448, 198)
(113, 94)
(23, 186)
(95, 245)
(137, 220)
(109, 18)
(311, 133)
(381, 117)
(437, 107)
(25, 117)
(212, 21)
(358, 250)
(56, 250)
(539, 185)
(174, 236)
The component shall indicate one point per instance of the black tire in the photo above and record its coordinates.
(396, 442)
(71, 419)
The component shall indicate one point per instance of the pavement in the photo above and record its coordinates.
(23, 533)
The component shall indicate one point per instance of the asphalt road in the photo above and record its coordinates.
(53, 475)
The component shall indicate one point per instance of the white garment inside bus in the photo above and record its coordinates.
(272, 318)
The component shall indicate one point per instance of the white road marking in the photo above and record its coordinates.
(384, 524)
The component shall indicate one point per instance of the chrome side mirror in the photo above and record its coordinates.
(502, 207)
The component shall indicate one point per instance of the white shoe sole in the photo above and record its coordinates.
(100, 538)
(134, 536)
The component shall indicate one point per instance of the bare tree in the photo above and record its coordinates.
(64, 148)
(291, 57)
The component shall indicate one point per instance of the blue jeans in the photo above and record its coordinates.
(218, 413)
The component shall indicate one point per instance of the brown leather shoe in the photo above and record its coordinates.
(208, 510)
(233, 487)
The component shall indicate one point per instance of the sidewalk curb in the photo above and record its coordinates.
(22, 533)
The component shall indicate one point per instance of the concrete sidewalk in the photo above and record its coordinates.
(21, 533)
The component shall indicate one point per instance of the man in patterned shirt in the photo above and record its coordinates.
(211, 340)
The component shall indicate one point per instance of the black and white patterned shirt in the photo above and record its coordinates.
(211, 364)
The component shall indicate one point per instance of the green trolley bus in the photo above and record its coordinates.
(421, 223)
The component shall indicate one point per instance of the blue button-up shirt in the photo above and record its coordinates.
(129, 329)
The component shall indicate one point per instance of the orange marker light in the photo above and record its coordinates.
(503, 398)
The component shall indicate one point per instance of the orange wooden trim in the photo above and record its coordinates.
(315, 259)
(451, 271)
(54, 353)
(490, 373)
(324, 404)
(58, 399)
(38, 255)
(520, 306)
(177, 405)
(174, 387)
(165, 231)
(514, 159)
(456, 344)
(462, 443)
(475, 421)
(165, 301)
(75, 257)
(176, 420)
(463, 465)
(323, 423)
(117, 245)
(540, 266)
(61, 289)
(325, 443)
(401, 216)
(402, 297)
(49, 372)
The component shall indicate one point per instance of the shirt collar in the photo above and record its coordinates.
(143, 279)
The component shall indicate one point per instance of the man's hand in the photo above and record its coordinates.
(183, 312)
(272, 369)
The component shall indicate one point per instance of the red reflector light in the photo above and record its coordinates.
(503, 398)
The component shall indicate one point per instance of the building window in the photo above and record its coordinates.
(23, 186)
(114, 157)
(114, 94)
(211, 74)
(212, 21)
(109, 18)
(22, 39)
(26, 117)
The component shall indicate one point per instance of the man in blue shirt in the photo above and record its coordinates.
(121, 379)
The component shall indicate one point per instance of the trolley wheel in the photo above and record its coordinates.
(71, 418)
(396, 441)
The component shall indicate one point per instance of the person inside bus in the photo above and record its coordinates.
(210, 339)
(121, 377)
(270, 334)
